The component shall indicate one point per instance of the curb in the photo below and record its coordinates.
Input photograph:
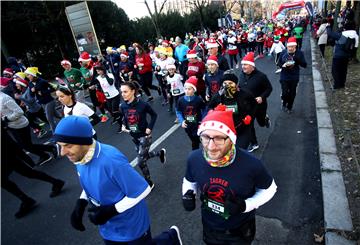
(336, 207)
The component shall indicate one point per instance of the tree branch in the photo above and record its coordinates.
(162, 6)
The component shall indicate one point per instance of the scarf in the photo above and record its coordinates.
(224, 161)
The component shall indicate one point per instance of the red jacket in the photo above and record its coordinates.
(197, 69)
(268, 42)
(146, 60)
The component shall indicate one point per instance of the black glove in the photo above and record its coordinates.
(189, 200)
(100, 215)
(77, 214)
(235, 205)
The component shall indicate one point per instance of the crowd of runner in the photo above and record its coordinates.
(215, 103)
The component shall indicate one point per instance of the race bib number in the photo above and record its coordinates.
(233, 108)
(216, 207)
(190, 118)
(134, 128)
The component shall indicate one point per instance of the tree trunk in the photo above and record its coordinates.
(357, 16)
(337, 11)
(201, 18)
(325, 8)
(53, 24)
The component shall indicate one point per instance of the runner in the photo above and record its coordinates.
(135, 111)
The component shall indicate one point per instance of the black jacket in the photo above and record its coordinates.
(242, 104)
(256, 84)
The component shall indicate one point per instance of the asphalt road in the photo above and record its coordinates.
(288, 149)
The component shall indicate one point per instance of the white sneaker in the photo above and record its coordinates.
(278, 70)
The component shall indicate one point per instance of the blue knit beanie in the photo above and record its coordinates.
(74, 130)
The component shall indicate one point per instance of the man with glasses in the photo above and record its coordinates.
(231, 183)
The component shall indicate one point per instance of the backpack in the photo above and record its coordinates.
(349, 45)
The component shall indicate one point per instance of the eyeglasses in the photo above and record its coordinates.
(218, 140)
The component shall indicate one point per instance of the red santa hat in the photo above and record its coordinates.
(22, 82)
(248, 59)
(65, 62)
(8, 71)
(4, 82)
(192, 81)
(211, 43)
(291, 41)
(212, 60)
(85, 56)
(191, 54)
(220, 120)
(165, 42)
(124, 54)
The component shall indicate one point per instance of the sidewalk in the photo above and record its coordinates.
(337, 217)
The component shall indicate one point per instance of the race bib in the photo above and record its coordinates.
(216, 207)
(190, 118)
(134, 128)
(233, 108)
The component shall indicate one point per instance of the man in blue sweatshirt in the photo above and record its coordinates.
(114, 190)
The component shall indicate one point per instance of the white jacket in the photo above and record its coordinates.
(277, 47)
(321, 32)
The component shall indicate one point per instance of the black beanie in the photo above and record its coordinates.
(230, 77)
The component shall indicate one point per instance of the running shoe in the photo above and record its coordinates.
(162, 155)
(174, 230)
(44, 159)
(104, 118)
(252, 147)
(25, 208)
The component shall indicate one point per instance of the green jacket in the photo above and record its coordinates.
(75, 79)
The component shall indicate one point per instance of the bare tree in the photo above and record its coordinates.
(199, 6)
(154, 15)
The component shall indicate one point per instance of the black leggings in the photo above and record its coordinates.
(162, 83)
(31, 116)
(146, 83)
(288, 93)
(322, 49)
(244, 234)
(17, 165)
(260, 46)
(23, 137)
(172, 100)
(232, 59)
(143, 154)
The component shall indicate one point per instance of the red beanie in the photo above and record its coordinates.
(211, 43)
(192, 81)
(220, 120)
(212, 60)
(8, 71)
(22, 82)
(65, 62)
(291, 41)
(85, 56)
(191, 54)
(248, 59)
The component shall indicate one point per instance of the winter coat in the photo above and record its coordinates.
(321, 32)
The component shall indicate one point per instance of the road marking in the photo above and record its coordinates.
(158, 141)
